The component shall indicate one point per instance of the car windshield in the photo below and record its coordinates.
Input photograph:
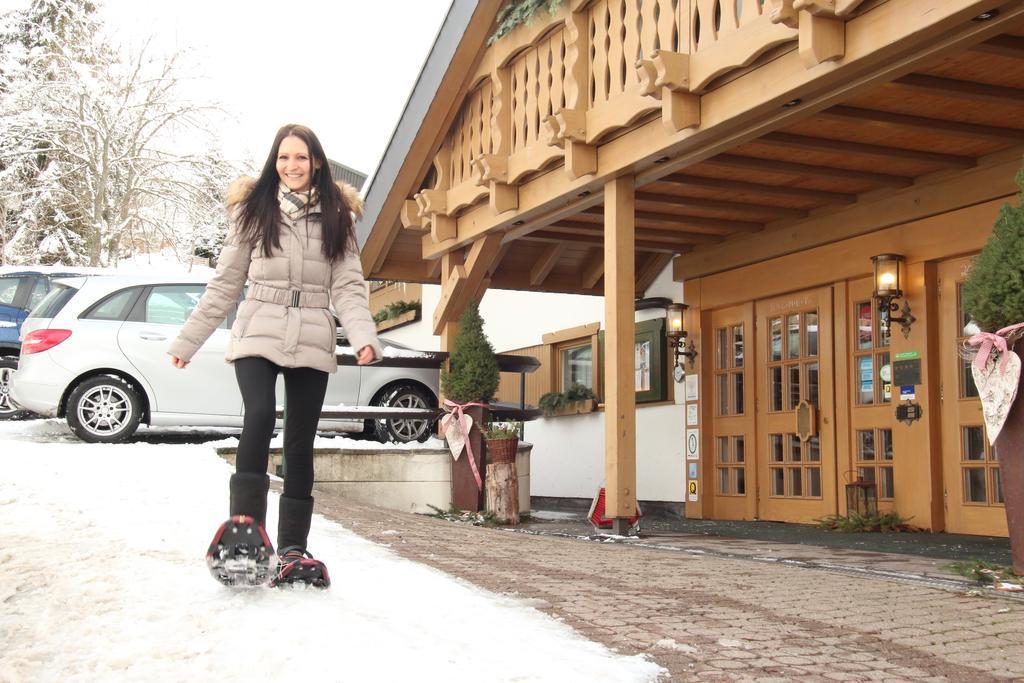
(51, 304)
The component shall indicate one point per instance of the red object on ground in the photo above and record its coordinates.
(596, 514)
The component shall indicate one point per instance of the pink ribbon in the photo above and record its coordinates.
(987, 342)
(456, 414)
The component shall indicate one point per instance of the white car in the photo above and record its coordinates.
(94, 350)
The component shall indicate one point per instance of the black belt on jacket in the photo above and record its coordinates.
(292, 298)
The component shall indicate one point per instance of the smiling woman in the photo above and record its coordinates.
(292, 238)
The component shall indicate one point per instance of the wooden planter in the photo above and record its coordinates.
(587, 405)
(402, 319)
(502, 450)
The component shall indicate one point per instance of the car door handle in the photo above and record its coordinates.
(152, 336)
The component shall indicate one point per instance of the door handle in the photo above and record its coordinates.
(152, 336)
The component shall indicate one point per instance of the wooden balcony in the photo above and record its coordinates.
(736, 119)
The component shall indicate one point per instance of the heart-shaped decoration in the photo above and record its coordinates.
(457, 437)
(997, 390)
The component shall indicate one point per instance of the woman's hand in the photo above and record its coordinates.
(365, 356)
(178, 363)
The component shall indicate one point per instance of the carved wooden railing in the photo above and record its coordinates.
(553, 89)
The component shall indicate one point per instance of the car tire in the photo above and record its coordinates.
(8, 411)
(405, 431)
(104, 409)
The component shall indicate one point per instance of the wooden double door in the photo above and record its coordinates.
(774, 360)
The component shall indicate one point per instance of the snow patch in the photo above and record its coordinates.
(131, 598)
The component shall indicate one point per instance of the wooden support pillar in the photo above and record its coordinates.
(620, 334)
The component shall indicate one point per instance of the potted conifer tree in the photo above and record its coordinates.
(994, 298)
(468, 384)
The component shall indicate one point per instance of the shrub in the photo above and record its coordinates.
(474, 373)
(855, 522)
(552, 401)
(993, 294)
(502, 430)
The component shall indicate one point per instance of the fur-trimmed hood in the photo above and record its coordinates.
(240, 188)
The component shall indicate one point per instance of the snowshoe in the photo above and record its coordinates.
(298, 566)
(241, 553)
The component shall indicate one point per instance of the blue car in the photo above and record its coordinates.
(20, 291)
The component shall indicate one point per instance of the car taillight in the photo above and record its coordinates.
(42, 340)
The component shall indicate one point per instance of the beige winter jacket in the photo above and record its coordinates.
(284, 317)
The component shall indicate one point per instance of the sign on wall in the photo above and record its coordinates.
(692, 492)
(693, 444)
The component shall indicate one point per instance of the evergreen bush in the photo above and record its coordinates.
(474, 373)
(517, 12)
(993, 294)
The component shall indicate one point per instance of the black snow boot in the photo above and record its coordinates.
(241, 553)
(297, 565)
(293, 522)
(249, 495)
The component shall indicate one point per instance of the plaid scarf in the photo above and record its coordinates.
(294, 204)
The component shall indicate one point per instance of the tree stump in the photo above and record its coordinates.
(502, 485)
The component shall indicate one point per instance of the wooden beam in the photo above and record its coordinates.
(620, 336)
(542, 268)
(808, 170)
(718, 205)
(813, 144)
(555, 236)
(453, 274)
(593, 271)
(782, 191)
(889, 120)
(966, 90)
(649, 271)
(691, 221)
(1004, 46)
(463, 284)
(574, 229)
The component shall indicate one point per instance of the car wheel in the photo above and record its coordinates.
(104, 409)
(8, 411)
(404, 431)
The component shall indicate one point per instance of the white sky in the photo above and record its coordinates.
(343, 67)
(102, 578)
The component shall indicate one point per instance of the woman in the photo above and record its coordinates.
(292, 237)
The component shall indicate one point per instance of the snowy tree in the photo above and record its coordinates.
(89, 166)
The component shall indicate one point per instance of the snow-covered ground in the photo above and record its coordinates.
(102, 578)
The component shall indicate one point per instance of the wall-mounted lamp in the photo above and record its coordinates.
(677, 337)
(887, 288)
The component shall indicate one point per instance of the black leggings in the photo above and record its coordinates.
(304, 390)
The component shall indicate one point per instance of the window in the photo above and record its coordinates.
(114, 307)
(795, 470)
(731, 458)
(577, 363)
(967, 387)
(8, 289)
(874, 460)
(172, 304)
(981, 483)
(729, 388)
(39, 290)
(872, 369)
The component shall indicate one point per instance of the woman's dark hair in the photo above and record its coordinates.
(259, 218)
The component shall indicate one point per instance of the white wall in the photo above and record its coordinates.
(568, 453)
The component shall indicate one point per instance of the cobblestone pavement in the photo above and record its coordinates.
(721, 616)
